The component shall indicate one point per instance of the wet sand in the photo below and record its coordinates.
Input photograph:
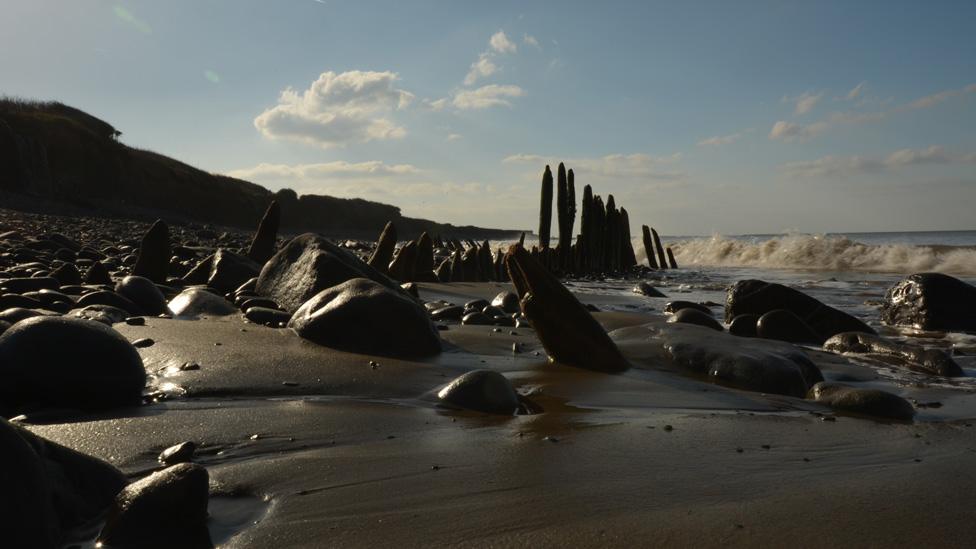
(309, 446)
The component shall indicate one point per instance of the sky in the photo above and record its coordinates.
(699, 117)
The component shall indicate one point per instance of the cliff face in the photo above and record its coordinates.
(55, 152)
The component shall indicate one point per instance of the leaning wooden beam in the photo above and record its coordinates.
(649, 247)
(674, 265)
(660, 249)
(566, 329)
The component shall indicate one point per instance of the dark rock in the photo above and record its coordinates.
(566, 329)
(383, 253)
(106, 314)
(3, 326)
(744, 325)
(230, 270)
(16, 300)
(265, 239)
(363, 316)
(411, 289)
(763, 366)
(14, 315)
(105, 297)
(785, 326)
(98, 274)
(451, 312)
(267, 316)
(154, 253)
(201, 272)
(476, 305)
(931, 301)
(675, 306)
(478, 319)
(248, 287)
(22, 285)
(309, 264)
(643, 288)
(67, 274)
(507, 302)
(403, 266)
(866, 402)
(930, 361)
(68, 362)
(195, 302)
(180, 453)
(166, 509)
(758, 297)
(689, 315)
(258, 302)
(424, 261)
(143, 292)
(49, 489)
(483, 391)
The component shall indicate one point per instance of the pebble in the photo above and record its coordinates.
(143, 342)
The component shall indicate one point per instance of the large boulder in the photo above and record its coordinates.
(166, 509)
(143, 292)
(363, 316)
(67, 363)
(758, 298)
(931, 301)
(229, 270)
(194, 302)
(860, 401)
(154, 253)
(48, 488)
(309, 264)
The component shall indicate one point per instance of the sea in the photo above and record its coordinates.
(848, 271)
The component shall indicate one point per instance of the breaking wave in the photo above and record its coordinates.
(819, 252)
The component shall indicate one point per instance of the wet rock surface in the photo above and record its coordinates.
(364, 316)
(309, 264)
(196, 302)
(483, 391)
(67, 362)
(166, 509)
(861, 401)
(758, 297)
(913, 357)
(931, 301)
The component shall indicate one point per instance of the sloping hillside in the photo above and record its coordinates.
(54, 152)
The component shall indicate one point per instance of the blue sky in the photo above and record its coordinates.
(699, 117)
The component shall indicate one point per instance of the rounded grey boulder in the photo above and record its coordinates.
(483, 391)
(366, 317)
(143, 292)
(68, 362)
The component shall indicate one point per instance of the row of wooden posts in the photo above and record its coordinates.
(603, 245)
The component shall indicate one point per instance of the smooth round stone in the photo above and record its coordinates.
(14, 315)
(259, 302)
(452, 312)
(180, 453)
(363, 316)
(106, 314)
(3, 326)
(143, 292)
(506, 301)
(786, 326)
(744, 325)
(675, 306)
(196, 302)
(16, 300)
(689, 315)
(105, 297)
(868, 402)
(68, 362)
(267, 316)
(643, 288)
(166, 509)
(478, 319)
(477, 304)
(483, 391)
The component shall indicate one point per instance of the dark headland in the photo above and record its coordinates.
(56, 158)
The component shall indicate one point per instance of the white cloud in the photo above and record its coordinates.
(481, 68)
(856, 91)
(804, 102)
(530, 40)
(790, 131)
(851, 165)
(492, 95)
(454, 136)
(718, 140)
(613, 166)
(339, 169)
(500, 43)
(337, 109)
